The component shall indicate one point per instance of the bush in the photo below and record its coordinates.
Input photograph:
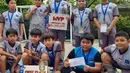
(124, 24)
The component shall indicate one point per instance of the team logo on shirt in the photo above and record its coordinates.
(62, 5)
(17, 15)
(40, 10)
(86, 12)
(127, 61)
(110, 7)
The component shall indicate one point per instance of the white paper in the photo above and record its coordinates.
(77, 61)
(103, 28)
(81, 30)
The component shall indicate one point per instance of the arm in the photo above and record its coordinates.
(95, 16)
(91, 17)
(57, 58)
(30, 12)
(1, 25)
(21, 22)
(115, 19)
(2, 52)
(98, 64)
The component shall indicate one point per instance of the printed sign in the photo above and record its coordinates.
(33, 69)
(58, 21)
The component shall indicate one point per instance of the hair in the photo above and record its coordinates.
(36, 31)
(47, 35)
(11, 31)
(7, 1)
(87, 36)
(122, 34)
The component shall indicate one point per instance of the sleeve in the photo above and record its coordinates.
(95, 15)
(1, 19)
(48, 9)
(26, 45)
(71, 54)
(19, 49)
(115, 11)
(97, 58)
(59, 48)
(108, 49)
(91, 16)
(2, 45)
(21, 19)
(43, 50)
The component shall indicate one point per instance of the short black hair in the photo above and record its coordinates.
(7, 1)
(36, 31)
(122, 34)
(47, 35)
(87, 36)
(11, 31)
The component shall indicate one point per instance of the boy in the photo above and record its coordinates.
(106, 16)
(53, 50)
(34, 49)
(91, 56)
(12, 19)
(80, 19)
(117, 55)
(36, 14)
(59, 7)
(10, 52)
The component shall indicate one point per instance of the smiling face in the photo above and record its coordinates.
(35, 39)
(81, 3)
(48, 42)
(122, 43)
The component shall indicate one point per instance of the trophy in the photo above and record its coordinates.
(42, 67)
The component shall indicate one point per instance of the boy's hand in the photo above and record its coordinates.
(34, 8)
(66, 63)
(45, 14)
(14, 57)
(86, 68)
(34, 53)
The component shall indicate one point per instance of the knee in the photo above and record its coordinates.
(44, 57)
(3, 58)
(105, 58)
(24, 55)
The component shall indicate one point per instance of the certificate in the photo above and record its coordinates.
(77, 61)
(103, 28)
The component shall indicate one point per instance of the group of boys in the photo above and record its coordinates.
(43, 46)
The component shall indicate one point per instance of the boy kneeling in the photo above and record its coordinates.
(117, 55)
(10, 51)
(91, 56)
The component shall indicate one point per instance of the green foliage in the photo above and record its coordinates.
(24, 2)
(123, 23)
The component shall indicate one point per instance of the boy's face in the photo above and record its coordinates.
(35, 39)
(86, 44)
(12, 38)
(121, 42)
(81, 3)
(37, 2)
(48, 42)
(12, 4)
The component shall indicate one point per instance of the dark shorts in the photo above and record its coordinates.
(9, 64)
(105, 40)
(59, 34)
(76, 41)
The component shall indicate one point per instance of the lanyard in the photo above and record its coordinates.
(10, 17)
(81, 16)
(86, 56)
(104, 12)
(36, 47)
(51, 55)
(56, 7)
